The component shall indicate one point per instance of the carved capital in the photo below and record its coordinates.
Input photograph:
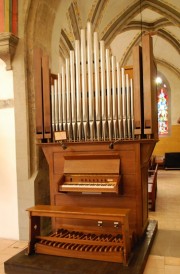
(8, 44)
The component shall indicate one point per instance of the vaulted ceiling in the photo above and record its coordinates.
(121, 24)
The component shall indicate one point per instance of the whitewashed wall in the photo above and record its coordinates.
(8, 178)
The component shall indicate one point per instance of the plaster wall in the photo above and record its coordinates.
(25, 179)
(9, 227)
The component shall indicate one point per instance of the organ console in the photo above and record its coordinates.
(87, 174)
(97, 126)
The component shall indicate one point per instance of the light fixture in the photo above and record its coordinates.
(158, 80)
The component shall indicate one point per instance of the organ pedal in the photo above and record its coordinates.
(108, 240)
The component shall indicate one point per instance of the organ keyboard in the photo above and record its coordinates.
(88, 174)
(91, 184)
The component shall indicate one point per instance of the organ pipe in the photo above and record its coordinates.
(92, 99)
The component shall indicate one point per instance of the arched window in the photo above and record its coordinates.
(163, 110)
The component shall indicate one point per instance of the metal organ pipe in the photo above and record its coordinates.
(124, 104)
(97, 85)
(56, 109)
(90, 80)
(60, 117)
(119, 99)
(114, 97)
(128, 105)
(109, 95)
(78, 90)
(52, 108)
(73, 95)
(103, 90)
(84, 84)
(92, 98)
(132, 107)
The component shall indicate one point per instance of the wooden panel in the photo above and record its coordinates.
(46, 97)
(128, 158)
(138, 90)
(127, 162)
(129, 71)
(2, 19)
(149, 87)
(144, 195)
(15, 17)
(58, 163)
(59, 158)
(94, 166)
(38, 93)
(133, 156)
(129, 185)
(77, 200)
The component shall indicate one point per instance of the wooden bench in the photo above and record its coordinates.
(159, 159)
(82, 241)
(152, 187)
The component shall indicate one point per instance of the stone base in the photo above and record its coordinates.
(47, 264)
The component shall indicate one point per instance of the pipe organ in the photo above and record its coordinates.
(97, 126)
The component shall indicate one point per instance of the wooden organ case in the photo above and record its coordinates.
(97, 126)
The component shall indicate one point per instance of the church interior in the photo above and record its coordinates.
(140, 40)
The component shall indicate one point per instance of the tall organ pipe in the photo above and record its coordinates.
(92, 99)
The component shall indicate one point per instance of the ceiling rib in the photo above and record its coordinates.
(160, 32)
(74, 22)
(169, 66)
(119, 24)
(97, 13)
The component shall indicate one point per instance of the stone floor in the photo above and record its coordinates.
(165, 253)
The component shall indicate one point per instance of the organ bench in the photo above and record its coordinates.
(92, 242)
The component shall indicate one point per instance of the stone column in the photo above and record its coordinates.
(8, 44)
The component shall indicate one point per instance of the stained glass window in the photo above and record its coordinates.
(163, 111)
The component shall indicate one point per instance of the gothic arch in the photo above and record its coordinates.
(123, 20)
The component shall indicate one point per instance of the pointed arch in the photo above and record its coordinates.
(74, 20)
(96, 13)
(123, 20)
(169, 66)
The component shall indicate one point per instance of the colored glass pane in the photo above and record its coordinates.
(163, 111)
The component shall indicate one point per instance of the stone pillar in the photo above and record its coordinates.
(8, 44)
(8, 30)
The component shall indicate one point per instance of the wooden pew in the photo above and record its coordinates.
(152, 187)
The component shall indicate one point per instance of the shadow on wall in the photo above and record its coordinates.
(42, 190)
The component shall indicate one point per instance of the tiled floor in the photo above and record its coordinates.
(165, 253)
(9, 248)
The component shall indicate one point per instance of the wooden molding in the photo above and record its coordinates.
(8, 44)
